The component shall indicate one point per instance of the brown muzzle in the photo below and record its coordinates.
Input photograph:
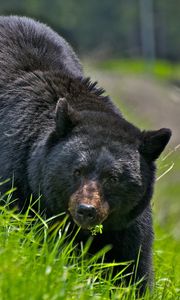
(87, 207)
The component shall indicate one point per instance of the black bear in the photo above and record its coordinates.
(61, 138)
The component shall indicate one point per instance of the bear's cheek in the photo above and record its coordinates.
(87, 207)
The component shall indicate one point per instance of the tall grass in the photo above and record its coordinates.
(41, 261)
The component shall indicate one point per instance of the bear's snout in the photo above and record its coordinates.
(87, 207)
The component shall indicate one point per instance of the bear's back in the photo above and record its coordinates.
(27, 45)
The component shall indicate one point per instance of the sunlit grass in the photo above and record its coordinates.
(39, 260)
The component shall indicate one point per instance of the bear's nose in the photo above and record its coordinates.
(86, 213)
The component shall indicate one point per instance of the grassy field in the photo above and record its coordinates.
(36, 262)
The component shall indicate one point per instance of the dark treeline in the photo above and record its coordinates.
(131, 28)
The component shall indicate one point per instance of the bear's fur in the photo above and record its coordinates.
(61, 138)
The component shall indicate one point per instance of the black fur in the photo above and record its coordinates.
(57, 131)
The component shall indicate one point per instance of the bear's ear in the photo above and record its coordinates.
(154, 142)
(65, 117)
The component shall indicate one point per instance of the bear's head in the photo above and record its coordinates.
(99, 168)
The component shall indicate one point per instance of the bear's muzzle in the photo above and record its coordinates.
(87, 207)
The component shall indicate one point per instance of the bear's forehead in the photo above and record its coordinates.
(116, 154)
(124, 157)
(102, 145)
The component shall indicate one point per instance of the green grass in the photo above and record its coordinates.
(37, 262)
(160, 69)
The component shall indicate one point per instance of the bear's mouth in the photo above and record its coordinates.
(93, 227)
(84, 225)
(85, 216)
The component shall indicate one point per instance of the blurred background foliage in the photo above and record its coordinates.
(116, 28)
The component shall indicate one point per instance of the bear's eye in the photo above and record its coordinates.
(113, 179)
(77, 173)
